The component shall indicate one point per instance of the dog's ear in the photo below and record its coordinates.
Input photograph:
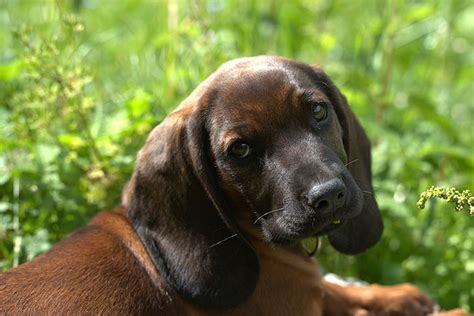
(182, 217)
(365, 230)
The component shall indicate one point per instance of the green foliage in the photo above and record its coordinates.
(461, 200)
(82, 83)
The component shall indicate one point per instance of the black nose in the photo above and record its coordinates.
(328, 196)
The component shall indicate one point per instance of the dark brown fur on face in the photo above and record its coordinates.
(194, 235)
(294, 155)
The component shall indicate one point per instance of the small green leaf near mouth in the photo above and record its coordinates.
(311, 245)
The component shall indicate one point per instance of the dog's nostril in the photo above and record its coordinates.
(340, 195)
(328, 196)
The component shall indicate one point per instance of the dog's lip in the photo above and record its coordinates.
(322, 225)
(329, 227)
(319, 230)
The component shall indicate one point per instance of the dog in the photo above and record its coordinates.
(263, 154)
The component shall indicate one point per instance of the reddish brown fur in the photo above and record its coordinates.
(104, 269)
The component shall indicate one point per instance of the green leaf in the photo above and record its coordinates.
(139, 104)
(11, 71)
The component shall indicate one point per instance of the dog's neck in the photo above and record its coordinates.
(289, 281)
(287, 275)
(294, 257)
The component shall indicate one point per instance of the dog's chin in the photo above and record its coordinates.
(287, 231)
(286, 237)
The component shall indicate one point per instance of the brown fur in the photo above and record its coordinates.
(104, 269)
(193, 236)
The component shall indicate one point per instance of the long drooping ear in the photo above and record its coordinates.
(365, 230)
(181, 215)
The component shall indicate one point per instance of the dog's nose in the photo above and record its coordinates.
(328, 196)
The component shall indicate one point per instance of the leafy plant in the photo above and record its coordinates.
(461, 200)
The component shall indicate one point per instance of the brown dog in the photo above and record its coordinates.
(263, 154)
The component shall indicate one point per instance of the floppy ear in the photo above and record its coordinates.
(365, 230)
(181, 215)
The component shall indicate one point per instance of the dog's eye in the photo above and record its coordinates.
(320, 111)
(240, 150)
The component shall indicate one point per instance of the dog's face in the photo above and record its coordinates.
(263, 141)
(280, 152)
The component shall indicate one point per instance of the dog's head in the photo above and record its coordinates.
(266, 141)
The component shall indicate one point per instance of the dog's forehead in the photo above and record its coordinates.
(260, 95)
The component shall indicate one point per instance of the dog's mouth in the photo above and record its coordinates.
(295, 233)
(298, 221)
(290, 229)
(329, 227)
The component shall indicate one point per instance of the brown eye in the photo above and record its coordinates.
(320, 111)
(240, 150)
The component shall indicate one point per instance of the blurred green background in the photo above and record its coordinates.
(83, 82)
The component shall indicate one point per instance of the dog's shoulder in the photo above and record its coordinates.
(101, 267)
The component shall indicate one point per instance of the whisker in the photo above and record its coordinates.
(360, 186)
(269, 212)
(351, 162)
(223, 240)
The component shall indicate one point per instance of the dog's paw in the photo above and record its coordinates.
(453, 312)
(403, 299)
